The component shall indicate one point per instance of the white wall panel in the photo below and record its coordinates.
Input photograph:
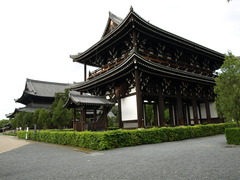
(203, 111)
(213, 110)
(129, 108)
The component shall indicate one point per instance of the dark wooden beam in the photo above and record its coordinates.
(139, 100)
(195, 113)
(208, 114)
(180, 116)
(120, 123)
(161, 110)
(83, 118)
(85, 71)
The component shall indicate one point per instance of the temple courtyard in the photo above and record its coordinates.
(202, 158)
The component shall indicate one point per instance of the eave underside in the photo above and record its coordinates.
(145, 65)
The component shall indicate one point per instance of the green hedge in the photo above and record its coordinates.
(233, 135)
(10, 134)
(122, 138)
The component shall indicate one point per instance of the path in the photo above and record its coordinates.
(202, 158)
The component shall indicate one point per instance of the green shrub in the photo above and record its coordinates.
(123, 138)
(233, 135)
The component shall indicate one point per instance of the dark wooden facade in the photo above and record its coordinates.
(139, 63)
(38, 95)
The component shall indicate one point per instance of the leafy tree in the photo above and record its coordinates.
(61, 116)
(149, 114)
(3, 122)
(167, 116)
(35, 118)
(19, 120)
(44, 119)
(13, 123)
(227, 89)
(28, 119)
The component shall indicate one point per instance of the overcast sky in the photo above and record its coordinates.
(38, 36)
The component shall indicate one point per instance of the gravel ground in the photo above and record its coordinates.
(8, 143)
(202, 158)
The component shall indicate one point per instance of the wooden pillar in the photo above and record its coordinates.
(188, 114)
(144, 115)
(105, 119)
(94, 115)
(139, 99)
(74, 119)
(194, 108)
(85, 71)
(208, 114)
(83, 118)
(120, 123)
(161, 110)
(180, 116)
(155, 114)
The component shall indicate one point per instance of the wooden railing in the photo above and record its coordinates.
(180, 65)
(163, 61)
(105, 68)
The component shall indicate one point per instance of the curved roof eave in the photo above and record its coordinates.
(152, 28)
(175, 37)
(101, 42)
(161, 68)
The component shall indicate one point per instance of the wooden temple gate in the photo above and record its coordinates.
(138, 63)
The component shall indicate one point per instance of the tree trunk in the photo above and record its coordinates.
(237, 124)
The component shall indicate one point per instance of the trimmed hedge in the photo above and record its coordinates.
(123, 138)
(233, 135)
(10, 134)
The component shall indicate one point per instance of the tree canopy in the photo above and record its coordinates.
(61, 116)
(3, 123)
(227, 89)
(57, 117)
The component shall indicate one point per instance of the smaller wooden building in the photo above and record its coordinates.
(38, 95)
(90, 112)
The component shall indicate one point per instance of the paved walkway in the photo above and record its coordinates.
(8, 143)
(202, 158)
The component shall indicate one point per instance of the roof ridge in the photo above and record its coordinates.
(30, 83)
(46, 82)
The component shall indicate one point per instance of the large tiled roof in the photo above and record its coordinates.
(44, 88)
(32, 107)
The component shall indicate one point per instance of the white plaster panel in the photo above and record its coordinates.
(129, 108)
(203, 111)
(191, 112)
(213, 110)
